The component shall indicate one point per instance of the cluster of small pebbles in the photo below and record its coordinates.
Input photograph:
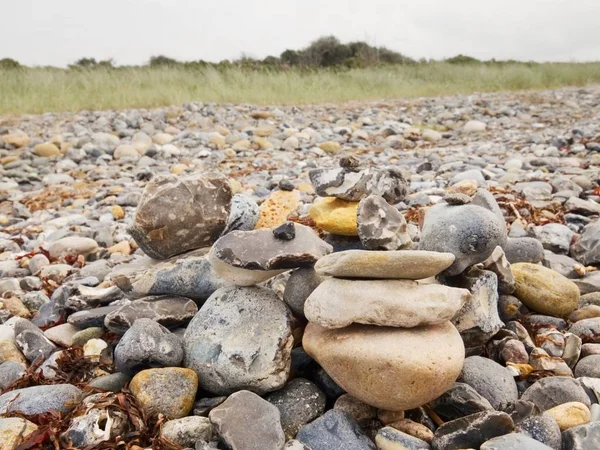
(399, 275)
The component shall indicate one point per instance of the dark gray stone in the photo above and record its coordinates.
(586, 248)
(583, 437)
(205, 405)
(169, 311)
(41, 399)
(285, 232)
(177, 214)
(147, 344)
(247, 422)
(459, 401)
(469, 232)
(553, 391)
(334, 429)
(511, 308)
(542, 428)
(381, 226)
(472, 431)
(513, 441)
(523, 249)
(299, 402)
(34, 344)
(240, 339)
(493, 381)
(301, 283)
(560, 263)
(188, 275)
(113, 382)
(91, 318)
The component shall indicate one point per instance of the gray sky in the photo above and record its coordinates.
(57, 32)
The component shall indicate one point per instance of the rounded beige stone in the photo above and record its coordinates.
(391, 368)
(399, 264)
(545, 290)
(571, 414)
(394, 303)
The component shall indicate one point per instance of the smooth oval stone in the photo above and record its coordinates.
(245, 258)
(513, 441)
(177, 214)
(569, 415)
(400, 264)
(544, 290)
(41, 399)
(390, 368)
(553, 391)
(394, 303)
(587, 329)
(583, 437)
(491, 380)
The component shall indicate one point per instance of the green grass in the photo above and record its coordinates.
(39, 90)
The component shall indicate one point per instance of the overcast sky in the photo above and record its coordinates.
(57, 32)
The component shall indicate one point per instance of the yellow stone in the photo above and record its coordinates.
(47, 150)
(335, 216)
(330, 146)
(178, 168)
(218, 141)
(170, 391)
(571, 414)
(244, 144)
(117, 212)
(10, 352)
(263, 131)
(8, 159)
(262, 143)
(236, 186)
(275, 210)
(545, 290)
(305, 187)
(16, 139)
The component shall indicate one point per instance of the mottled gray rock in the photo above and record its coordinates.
(189, 275)
(459, 401)
(243, 215)
(93, 317)
(560, 263)
(299, 402)
(469, 232)
(553, 391)
(583, 437)
(523, 249)
(301, 283)
(381, 226)
(177, 214)
(472, 431)
(89, 297)
(170, 311)
(554, 237)
(493, 381)
(247, 422)
(478, 319)
(498, 264)
(588, 367)
(350, 184)
(205, 405)
(542, 428)
(249, 257)
(334, 429)
(240, 339)
(147, 344)
(586, 247)
(113, 382)
(11, 371)
(187, 430)
(513, 441)
(34, 344)
(41, 399)
(390, 438)
(587, 329)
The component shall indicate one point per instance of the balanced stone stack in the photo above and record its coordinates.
(383, 336)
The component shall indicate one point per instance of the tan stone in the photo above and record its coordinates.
(47, 150)
(330, 146)
(569, 415)
(544, 290)
(17, 139)
(10, 352)
(16, 307)
(261, 115)
(218, 141)
(305, 187)
(275, 210)
(170, 391)
(262, 143)
(117, 212)
(386, 417)
(335, 216)
(243, 144)
(467, 187)
(13, 431)
(395, 303)
(8, 159)
(178, 168)
(162, 138)
(400, 264)
(263, 131)
(391, 368)
(413, 428)
(236, 187)
(224, 131)
(585, 312)
(122, 247)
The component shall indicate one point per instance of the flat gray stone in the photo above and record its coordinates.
(334, 429)
(41, 399)
(381, 226)
(513, 441)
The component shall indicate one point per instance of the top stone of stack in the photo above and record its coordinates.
(178, 214)
(401, 264)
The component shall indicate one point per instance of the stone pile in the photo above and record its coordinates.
(385, 338)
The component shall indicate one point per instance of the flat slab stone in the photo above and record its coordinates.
(401, 264)
(394, 303)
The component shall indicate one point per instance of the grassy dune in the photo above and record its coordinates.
(39, 90)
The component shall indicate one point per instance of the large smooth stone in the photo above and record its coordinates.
(41, 399)
(245, 258)
(177, 214)
(469, 232)
(240, 339)
(402, 264)
(544, 290)
(395, 303)
(391, 368)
